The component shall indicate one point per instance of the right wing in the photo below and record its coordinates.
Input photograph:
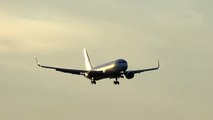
(72, 71)
(145, 70)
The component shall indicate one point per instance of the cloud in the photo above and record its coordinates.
(177, 21)
(24, 34)
(177, 32)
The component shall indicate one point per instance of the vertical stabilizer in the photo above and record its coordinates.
(87, 60)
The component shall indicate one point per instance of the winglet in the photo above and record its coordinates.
(37, 62)
(158, 64)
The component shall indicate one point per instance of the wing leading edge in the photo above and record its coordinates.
(145, 70)
(72, 71)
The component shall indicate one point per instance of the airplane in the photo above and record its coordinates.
(113, 70)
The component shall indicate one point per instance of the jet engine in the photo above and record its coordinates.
(129, 75)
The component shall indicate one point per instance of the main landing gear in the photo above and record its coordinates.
(116, 82)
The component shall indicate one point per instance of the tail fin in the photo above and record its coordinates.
(87, 60)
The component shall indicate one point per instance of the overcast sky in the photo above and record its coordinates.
(177, 32)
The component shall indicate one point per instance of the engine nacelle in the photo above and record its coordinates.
(129, 75)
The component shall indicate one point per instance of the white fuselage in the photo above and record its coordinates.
(110, 70)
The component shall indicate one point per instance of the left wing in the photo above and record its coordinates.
(145, 70)
(72, 71)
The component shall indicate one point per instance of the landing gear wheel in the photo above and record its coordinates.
(93, 82)
(116, 83)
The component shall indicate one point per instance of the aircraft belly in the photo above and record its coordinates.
(110, 70)
(109, 74)
(103, 76)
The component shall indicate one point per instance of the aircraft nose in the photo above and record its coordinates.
(125, 66)
(121, 61)
(122, 64)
